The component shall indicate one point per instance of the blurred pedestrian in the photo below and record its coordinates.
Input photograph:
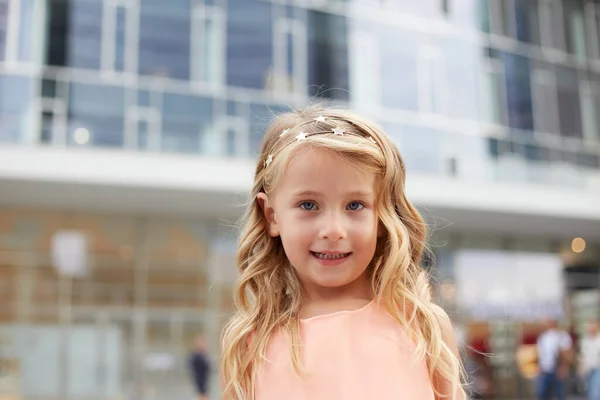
(554, 347)
(199, 363)
(590, 351)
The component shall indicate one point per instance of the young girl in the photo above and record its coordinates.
(331, 301)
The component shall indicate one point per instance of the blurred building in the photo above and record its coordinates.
(128, 131)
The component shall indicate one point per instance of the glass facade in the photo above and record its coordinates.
(494, 70)
(126, 323)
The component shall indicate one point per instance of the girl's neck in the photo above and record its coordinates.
(320, 301)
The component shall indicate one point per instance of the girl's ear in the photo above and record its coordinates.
(269, 214)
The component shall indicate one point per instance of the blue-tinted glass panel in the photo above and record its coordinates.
(3, 27)
(164, 48)
(143, 98)
(569, 110)
(518, 91)
(120, 39)
(249, 43)
(15, 101)
(100, 110)
(575, 31)
(143, 131)
(74, 33)
(186, 121)
(230, 143)
(26, 30)
(399, 81)
(527, 21)
(261, 116)
(484, 16)
(327, 55)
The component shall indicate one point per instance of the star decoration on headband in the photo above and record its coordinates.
(269, 160)
(320, 118)
(284, 132)
(338, 131)
(301, 136)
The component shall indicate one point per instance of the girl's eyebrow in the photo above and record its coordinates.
(354, 193)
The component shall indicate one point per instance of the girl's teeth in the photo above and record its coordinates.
(330, 256)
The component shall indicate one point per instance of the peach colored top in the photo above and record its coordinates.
(348, 355)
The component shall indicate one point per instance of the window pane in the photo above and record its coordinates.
(99, 109)
(575, 28)
(589, 97)
(518, 91)
(423, 8)
(399, 67)
(186, 122)
(420, 150)
(484, 15)
(120, 39)
(545, 98)
(527, 21)
(461, 60)
(327, 55)
(74, 33)
(164, 48)
(249, 43)
(3, 27)
(15, 101)
(569, 111)
(466, 13)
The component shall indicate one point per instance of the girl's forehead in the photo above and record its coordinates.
(324, 171)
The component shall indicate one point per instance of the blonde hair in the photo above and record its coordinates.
(268, 298)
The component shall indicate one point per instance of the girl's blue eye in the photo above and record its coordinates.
(355, 206)
(308, 206)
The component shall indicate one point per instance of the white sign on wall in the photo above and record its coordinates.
(509, 284)
(69, 252)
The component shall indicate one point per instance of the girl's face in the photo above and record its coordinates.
(324, 211)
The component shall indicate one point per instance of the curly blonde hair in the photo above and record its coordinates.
(268, 296)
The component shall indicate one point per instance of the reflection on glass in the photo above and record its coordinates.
(494, 85)
(545, 99)
(186, 120)
(120, 39)
(567, 85)
(3, 27)
(399, 67)
(99, 109)
(500, 17)
(575, 28)
(527, 21)
(15, 100)
(327, 55)
(518, 91)
(47, 124)
(74, 33)
(25, 29)
(589, 97)
(424, 8)
(249, 43)
(466, 13)
(420, 150)
(164, 48)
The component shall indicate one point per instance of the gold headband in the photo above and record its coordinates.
(336, 130)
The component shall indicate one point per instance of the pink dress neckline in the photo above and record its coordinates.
(336, 313)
